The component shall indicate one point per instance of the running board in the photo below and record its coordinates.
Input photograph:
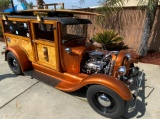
(43, 77)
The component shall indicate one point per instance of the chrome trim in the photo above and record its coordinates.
(104, 100)
(129, 81)
(122, 70)
(107, 55)
(68, 50)
(15, 63)
(128, 56)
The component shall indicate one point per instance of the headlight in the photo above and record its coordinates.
(122, 70)
(128, 57)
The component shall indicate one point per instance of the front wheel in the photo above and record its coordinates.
(105, 101)
(13, 63)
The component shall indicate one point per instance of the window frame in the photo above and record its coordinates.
(17, 35)
(42, 39)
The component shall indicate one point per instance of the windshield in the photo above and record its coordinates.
(70, 32)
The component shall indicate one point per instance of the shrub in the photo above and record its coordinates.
(109, 39)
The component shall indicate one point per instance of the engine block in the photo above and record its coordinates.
(97, 62)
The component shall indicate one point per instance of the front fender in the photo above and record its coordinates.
(21, 56)
(111, 82)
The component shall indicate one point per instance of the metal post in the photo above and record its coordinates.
(12, 5)
(62, 5)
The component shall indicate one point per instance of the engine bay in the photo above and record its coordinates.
(98, 62)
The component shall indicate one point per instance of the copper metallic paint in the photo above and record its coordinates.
(72, 61)
(61, 65)
(65, 77)
(119, 61)
(74, 81)
(47, 71)
(21, 56)
(116, 85)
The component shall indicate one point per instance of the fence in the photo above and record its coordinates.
(129, 23)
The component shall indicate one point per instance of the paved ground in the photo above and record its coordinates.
(24, 98)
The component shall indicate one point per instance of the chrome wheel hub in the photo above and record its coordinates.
(104, 100)
(14, 63)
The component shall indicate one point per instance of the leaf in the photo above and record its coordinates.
(108, 38)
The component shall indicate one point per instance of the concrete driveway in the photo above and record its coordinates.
(24, 98)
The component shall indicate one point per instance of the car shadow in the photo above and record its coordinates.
(141, 104)
(81, 93)
(4, 76)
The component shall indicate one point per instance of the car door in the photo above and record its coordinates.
(45, 41)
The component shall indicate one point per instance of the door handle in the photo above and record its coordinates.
(45, 53)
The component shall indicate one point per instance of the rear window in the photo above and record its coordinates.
(16, 28)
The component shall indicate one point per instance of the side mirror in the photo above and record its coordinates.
(68, 50)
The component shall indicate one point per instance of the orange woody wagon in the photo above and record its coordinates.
(51, 46)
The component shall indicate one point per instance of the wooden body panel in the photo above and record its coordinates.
(46, 52)
(51, 62)
(23, 42)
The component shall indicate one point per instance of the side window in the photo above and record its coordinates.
(77, 30)
(44, 31)
(16, 28)
(73, 31)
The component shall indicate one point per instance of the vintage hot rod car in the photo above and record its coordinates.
(50, 45)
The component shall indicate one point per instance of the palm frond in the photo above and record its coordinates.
(4, 4)
(108, 38)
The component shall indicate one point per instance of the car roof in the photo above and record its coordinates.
(65, 17)
(60, 11)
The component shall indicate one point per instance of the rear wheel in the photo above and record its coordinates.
(13, 63)
(105, 101)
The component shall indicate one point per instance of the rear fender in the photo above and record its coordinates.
(21, 56)
(111, 82)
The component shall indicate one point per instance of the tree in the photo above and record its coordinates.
(30, 5)
(148, 24)
(4, 4)
(109, 6)
(40, 4)
(27, 4)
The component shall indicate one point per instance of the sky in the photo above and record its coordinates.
(69, 4)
